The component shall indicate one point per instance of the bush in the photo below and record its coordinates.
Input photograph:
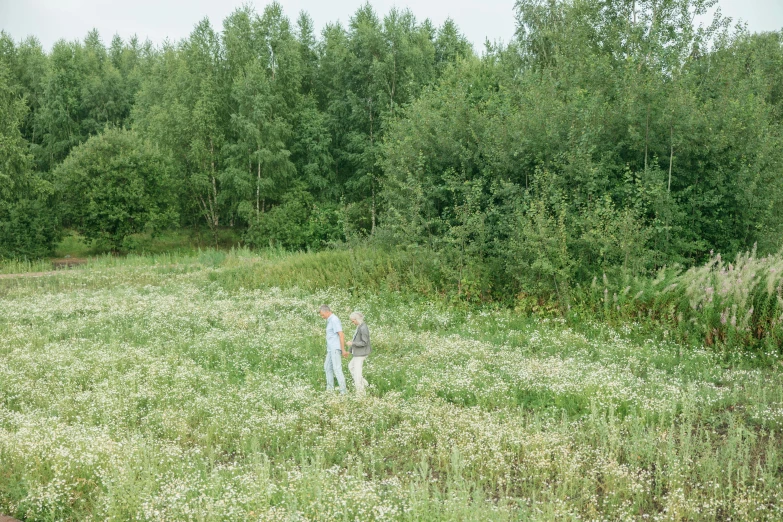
(116, 185)
(28, 228)
(298, 223)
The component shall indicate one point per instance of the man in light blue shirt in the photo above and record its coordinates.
(335, 346)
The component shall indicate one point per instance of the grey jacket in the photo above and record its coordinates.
(361, 346)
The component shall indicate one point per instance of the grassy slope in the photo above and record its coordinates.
(189, 387)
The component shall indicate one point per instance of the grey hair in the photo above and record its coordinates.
(358, 316)
(324, 308)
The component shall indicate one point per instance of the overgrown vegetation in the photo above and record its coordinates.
(605, 140)
(736, 307)
(114, 186)
(165, 387)
(28, 227)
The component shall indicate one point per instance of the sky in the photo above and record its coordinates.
(156, 20)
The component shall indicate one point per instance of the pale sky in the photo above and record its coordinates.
(50, 20)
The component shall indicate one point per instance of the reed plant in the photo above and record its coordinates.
(734, 306)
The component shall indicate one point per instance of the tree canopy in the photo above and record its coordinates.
(606, 136)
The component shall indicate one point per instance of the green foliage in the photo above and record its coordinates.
(182, 107)
(28, 226)
(538, 253)
(116, 185)
(29, 229)
(263, 109)
(736, 307)
(463, 248)
(600, 141)
(286, 225)
(364, 271)
(297, 223)
(265, 96)
(369, 71)
(607, 138)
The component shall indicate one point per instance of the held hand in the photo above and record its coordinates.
(345, 354)
(349, 343)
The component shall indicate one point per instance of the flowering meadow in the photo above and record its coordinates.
(149, 389)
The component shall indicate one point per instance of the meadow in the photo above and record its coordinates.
(165, 387)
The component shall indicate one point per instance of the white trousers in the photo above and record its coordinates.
(355, 367)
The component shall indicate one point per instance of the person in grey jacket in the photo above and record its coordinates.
(360, 348)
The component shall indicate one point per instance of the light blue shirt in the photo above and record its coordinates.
(333, 326)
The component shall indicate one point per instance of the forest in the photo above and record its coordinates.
(608, 137)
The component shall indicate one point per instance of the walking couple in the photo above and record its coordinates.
(335, 347)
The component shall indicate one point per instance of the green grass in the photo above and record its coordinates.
(74, 245)
(20, 266)
(189, 386)
(183, 240)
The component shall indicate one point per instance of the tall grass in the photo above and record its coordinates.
(358, 270)
(15, 266)
(168, 241)
(735, 306)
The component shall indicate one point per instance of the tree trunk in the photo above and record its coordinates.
(671, 155)
(393, 84)
(372, 228)
(646, 137)
(213, 199)
(372, 172)
(258, 187)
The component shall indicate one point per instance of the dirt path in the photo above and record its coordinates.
(57, 264)
(4, 518)
(29, 274)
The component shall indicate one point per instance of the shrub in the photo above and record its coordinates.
(28, 228)
(298, 223)
(116, 185)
